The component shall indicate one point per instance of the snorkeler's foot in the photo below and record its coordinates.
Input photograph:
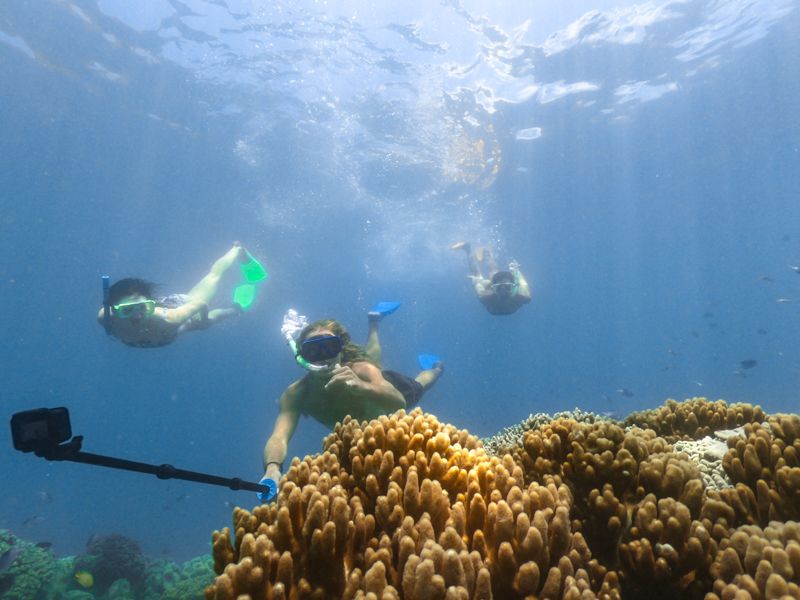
(460, 246)
(430, 361)
(382, 309)
(244, 295)
(252, 271)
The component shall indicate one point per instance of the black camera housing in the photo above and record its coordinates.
(40, 429)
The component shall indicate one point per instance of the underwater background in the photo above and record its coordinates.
(641, 161)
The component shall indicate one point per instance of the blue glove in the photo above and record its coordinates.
(270, 494)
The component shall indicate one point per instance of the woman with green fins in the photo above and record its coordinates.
(134, 314)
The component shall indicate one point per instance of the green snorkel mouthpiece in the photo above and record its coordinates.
(293, 324)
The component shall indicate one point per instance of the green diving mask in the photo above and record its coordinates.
(130, 310)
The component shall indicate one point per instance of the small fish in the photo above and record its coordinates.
(182, 497)
(33, 519)
(45, 497)
(740, 373)
(44, 545)
(625, 392)
(761, 331)
(795, 268)
(708, 315)
(228, 504)
(698, 383)
(84, 578)
(8, 557)
(766, 278)
(783, 300)
(748, 364)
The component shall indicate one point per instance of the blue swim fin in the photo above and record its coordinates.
(385, 308)
(428, 361)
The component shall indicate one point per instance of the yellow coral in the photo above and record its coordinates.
(406, 507)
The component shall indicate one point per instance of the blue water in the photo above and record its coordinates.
(647, 180)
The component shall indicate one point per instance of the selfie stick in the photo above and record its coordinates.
(44, 447)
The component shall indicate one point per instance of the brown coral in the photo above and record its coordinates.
(762, 563)
(766, 467)
(695, 418)
(405, 507)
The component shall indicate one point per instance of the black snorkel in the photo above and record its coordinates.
(106, 304)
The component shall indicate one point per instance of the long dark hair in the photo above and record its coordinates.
(131, 286)
(350, 352)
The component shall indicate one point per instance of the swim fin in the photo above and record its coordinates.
(244, 295)
(252, 271)
(385, 308)
(429, 361)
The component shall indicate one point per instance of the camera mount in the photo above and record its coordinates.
(45, 431)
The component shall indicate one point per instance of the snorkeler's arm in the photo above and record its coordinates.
(277, 446)
(187, 311)
(524, 291)
(483, 287)
(365, 381)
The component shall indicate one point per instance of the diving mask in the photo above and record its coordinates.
(130, 310)
(321, 348)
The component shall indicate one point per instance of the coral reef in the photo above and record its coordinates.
(112, 557)
(693, 499)
(406, 507)
(764, 563)
(29, 573)
(167, 580)
(695, 418)
(512, 436)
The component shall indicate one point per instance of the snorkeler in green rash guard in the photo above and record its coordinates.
(133, 313)
(343, 379)
(502, 292)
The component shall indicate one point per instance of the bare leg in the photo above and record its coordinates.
(428, 377)
(373, 347)
(488, 258)
(208, 318)
(207, 287)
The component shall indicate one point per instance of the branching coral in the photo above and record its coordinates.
(766, 467)
(405, 507)
(695, 418)
(762, 563)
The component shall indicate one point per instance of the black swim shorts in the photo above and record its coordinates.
(411, 389)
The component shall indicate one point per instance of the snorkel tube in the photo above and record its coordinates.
(293, 323)
(106, 304)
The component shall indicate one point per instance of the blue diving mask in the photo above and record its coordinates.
(321, 348)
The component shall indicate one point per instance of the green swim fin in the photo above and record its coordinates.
(252, 271)
(244, 295)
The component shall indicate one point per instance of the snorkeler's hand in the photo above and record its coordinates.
(270, 494)
(344, 378)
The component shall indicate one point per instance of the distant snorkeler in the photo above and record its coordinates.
(133, 312)
(501, 292)
(342, 379)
